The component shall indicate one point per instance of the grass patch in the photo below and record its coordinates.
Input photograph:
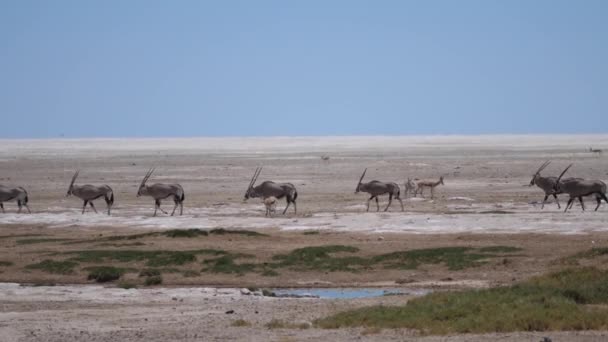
(279, 324)
(152, 258)
(547, 303)
(222, 231)
(5, 263)
(154, 280)
(240, 323)
(191, 274)
(311, 232)
(104, 274)
(2, 237)
(54, 267)
(226, 264)
(126, 285)
(128, 244)
(185, 233)
(321, 258)
(588, 254)
(39, 240)
(455, 258)
(149, 272)
(499, 249)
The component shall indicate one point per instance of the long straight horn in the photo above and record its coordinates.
(258, 175)
(253, 178)
(74, 178)
(363, 175)
(563, 172)
(145, 179)
(542, 167)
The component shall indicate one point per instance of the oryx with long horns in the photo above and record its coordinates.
(579, 188)
(269, 188)
(162, 191)
(17, 194)
(88, 193)
(376, 188)
(547, 184)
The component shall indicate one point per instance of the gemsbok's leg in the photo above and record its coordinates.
(580, 199)
(287, 206)
(176, 200)
(377, 204)
(544, 200)
(92, 206)
(570, 201)
(2, 207)
(369, 199)
(556, 201)
(390, 200)
(84, 207)
(400, 201)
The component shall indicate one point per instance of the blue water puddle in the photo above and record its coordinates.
(347, 293)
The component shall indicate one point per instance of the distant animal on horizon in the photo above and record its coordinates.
(88, 193)
(596, 151)
(376, 188)
(271, 205)
(17, 194)
(269, 188)
(428, 184)
(160, 192)
(579, 188)
(325, 157)
(410, 187)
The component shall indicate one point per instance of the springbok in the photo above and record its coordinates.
(428, 184)
(88, 193)
(271, 205)
(269, 188)
(376, 188)
(578, 188)
(162, 191)
(17, 194)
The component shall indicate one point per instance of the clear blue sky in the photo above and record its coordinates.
(118, 68)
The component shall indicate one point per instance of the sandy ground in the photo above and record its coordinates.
(485, 197)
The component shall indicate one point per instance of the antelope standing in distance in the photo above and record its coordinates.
(271, 205)
(410, 187)
(579, 188)
(88, 193)
(269, 188)
(595, 151)
(160, 192)
(376, 188)
(17, 194)
(428, 184)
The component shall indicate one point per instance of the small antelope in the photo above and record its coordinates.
(410, 187)
(376, 188)
(596, 151)
(162, 191)
(17, 194)
(271, 205)
(428, 184)
(88, 193)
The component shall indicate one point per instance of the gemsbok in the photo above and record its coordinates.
(376, 188)
(17, 194)
(88, 193)
(595, 151)
(160, 192)
(428, 184)
(547, 184)
(269, 188)
(579, 188)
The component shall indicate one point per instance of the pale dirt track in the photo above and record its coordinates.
(485, 194)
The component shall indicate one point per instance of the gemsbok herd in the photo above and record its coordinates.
(270, 192)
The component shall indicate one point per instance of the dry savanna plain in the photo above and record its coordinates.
(481, 261)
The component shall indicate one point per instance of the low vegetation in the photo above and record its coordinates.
(39, 240)
(240, 323)
(153, 280)
(103, 274)
(54, 267)
(588, 254)
(558, 301)
(279, 324)
(5, 263)
(157, 258)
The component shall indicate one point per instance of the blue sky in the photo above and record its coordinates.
(254, 68)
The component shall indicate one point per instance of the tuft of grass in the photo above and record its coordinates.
(551, 302)
(279, 324)
(268, 293)
(39, 240)
(126, 285)
(499, 249)
(184, 233)
(154, 280)
(588, 254)
(455, 258)
(152, 258)
(5, 263)
(149, 272)
(240, 323)
(269, 273)
(2, 237)
(103, 274)
(222, 231)
(321, 258)
(191, 274)
(311, 232)
(54, 267)
(226, 264)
